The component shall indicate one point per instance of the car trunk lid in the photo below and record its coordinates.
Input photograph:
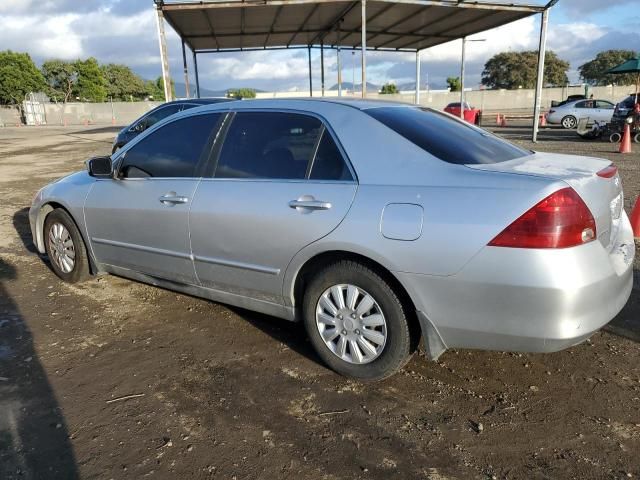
(602, 194)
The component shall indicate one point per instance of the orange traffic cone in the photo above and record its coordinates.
(498, 120)
(635, 219)
(504, 121)
(625, 144)
(543, 120)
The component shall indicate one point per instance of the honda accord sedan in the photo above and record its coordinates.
(375, 224)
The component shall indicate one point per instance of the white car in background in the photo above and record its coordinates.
(568, 114)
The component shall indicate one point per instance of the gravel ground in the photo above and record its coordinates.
(115, 379)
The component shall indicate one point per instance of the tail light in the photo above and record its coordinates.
(561, 220)
(608, 172)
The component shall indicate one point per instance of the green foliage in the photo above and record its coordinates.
(240, 93)
(18, 76)
(389, 88)
(511, 70)
(61, 78)
(454, 84)
(593, 72)
(122, 83)
(155, 90)
(91, 85)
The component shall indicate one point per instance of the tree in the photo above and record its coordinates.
(593, 72)
(18, 76)
(511, 70)
(240, 93)
(389, 88)
(61, 78)
(91, 85)
(122, 83)
(155, 90)
(454, 84)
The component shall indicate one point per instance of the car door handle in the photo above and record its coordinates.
(301, 204)
(173, 199)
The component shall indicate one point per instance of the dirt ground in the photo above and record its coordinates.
(115, 379)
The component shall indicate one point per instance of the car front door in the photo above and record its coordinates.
(281, 182)
(604, 110)
(140, 220)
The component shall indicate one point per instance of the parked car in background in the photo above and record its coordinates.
(159, 113)
(471, 114)
(568, 114)
(570, 98)
(625, 107)
(370, 222)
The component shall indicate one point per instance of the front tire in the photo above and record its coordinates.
(569, 122)
(65, 247)
(356, 322)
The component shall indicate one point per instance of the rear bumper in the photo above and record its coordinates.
(527, 300)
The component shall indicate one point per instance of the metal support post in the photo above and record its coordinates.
(363, 44)
(464, 46)
(540, 79)
(186, 71)
(195, 70)
(310, 79)
(417, 77)
(166, 76)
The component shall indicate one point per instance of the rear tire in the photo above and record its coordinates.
(355, 341)
(615, 138)
(65, 248)
(569, 122)
(637, 138)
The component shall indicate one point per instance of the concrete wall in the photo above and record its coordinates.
(119, 113)
(506, 101)
(488, 100)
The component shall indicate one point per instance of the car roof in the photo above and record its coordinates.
(201, 101)
(310, 103)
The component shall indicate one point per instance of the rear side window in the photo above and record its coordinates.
(173, 150)
(328, 163)
(273, 145)
(446, 138)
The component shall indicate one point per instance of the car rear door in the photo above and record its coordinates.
(280, 183)
(140, 220)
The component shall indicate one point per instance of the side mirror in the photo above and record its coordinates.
(100, 167)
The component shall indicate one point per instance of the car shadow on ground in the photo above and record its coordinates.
(627, 322)
(290, 334)
(93, 131)
(21, 224)
(34, 440)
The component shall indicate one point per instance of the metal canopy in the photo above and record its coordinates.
(405, 25)
(384, 25)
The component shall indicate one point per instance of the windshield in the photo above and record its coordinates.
(449, 139)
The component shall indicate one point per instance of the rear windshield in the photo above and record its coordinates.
(446, 138)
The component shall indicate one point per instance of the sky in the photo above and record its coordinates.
(124, 31)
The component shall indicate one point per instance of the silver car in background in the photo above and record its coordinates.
(568, 114)
(373, 223)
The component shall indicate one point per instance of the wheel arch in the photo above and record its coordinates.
(311, 265)
(44, 211)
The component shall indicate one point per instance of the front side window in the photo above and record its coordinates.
(173, 150)
(604, 104)
(268, 145)
(161, 114)
(446, 138)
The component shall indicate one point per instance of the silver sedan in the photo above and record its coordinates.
(375, 224)
(568, 114)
